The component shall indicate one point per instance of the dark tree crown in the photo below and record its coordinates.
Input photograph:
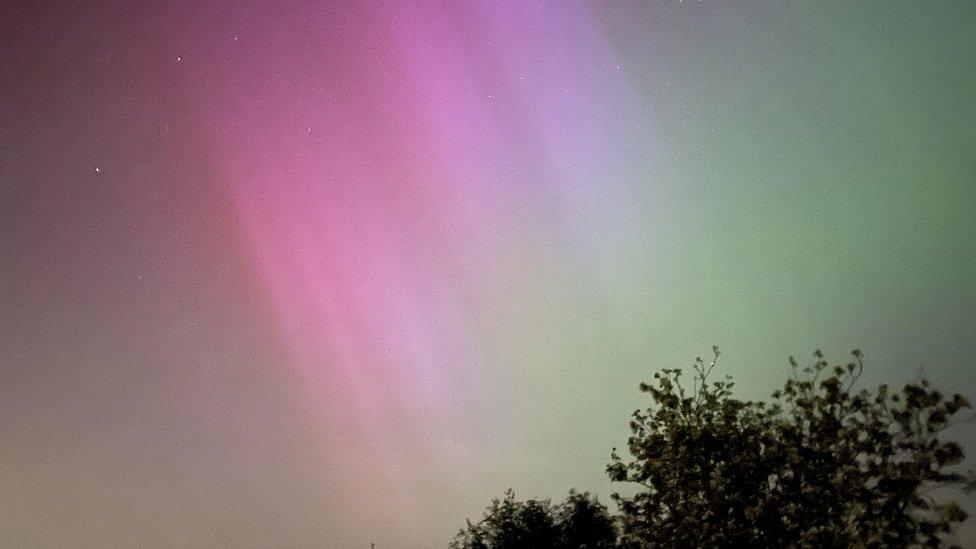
(821, 465)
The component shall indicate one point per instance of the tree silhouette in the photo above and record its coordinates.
(580, 521)
(820, 466)
(584, 522)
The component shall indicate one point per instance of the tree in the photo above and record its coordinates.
(579, 522)
(821, 465)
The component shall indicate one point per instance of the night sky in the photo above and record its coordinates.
(317, 274)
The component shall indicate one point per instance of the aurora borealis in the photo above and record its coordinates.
(287, 274)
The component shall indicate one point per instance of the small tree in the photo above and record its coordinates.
(819, 466)
(580, 522)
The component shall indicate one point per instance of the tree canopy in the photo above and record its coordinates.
(580, 521)
(821, 464)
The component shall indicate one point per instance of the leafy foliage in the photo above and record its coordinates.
(581, 521)
(821, 465)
